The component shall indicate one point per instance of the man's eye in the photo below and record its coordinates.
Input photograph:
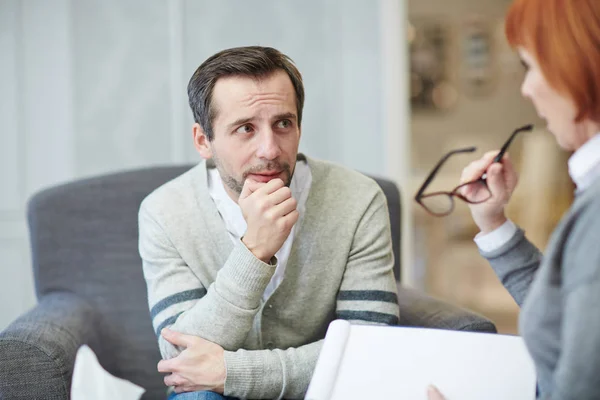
(244, 129)
(284, 123)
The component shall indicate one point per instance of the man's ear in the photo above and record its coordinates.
(201, 142)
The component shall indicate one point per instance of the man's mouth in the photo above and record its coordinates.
(265, 176)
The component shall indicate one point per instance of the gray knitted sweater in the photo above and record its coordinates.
(201, 283)
(560, 298)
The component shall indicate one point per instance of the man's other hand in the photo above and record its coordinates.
(201, 366)
(270, 212)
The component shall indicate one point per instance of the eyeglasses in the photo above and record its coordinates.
(477, 191)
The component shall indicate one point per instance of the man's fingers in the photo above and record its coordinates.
(165, 366)
(179, 389)
(271, 186)
(285, 207)
(176, 338)
(291, 218)
(250, 186)
(280, 195)
(174, 380)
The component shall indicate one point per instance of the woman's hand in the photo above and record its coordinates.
(501, 180)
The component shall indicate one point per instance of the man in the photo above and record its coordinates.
(252, 253)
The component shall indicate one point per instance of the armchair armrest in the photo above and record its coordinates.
(421, 310)
(37, 351)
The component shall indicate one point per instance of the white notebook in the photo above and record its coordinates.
(377, 362)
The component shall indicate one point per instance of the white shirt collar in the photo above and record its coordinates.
(584, 164)
(229, 209)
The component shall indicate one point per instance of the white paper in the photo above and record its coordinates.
(399, 363)
(92, 382)
(329, 360)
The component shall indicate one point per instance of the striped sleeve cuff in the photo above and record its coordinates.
(368, 306)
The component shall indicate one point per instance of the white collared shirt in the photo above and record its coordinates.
(236, 224)
(584, 169)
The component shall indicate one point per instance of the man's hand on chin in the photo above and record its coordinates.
(201, 366)
(270, 212)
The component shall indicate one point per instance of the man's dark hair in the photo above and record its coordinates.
(252, 61)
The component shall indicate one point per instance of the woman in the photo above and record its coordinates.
(559, 44)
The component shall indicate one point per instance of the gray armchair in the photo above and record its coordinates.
(91, 290)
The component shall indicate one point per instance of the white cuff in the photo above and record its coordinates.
(497, 238)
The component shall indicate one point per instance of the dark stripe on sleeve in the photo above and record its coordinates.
(167, 322)
(369, 295)
(175, 299)
(368, 316)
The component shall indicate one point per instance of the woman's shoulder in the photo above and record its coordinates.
(587, 202)
(581, 258)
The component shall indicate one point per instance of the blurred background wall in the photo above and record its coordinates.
(95, 86)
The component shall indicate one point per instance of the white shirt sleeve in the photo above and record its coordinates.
(497, 238)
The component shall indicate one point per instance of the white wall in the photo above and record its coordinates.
(93, 86)
(36, 124)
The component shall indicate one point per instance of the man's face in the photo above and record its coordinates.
(256, 133)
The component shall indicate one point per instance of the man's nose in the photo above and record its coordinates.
(268, 147)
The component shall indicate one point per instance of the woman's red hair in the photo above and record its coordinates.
(564, 37)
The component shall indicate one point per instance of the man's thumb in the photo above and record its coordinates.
(250, 186)
(173, 337)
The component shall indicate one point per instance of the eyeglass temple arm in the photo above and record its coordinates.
(438, 166)
(498, 158)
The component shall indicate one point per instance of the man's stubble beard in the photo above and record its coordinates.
(237, 186)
